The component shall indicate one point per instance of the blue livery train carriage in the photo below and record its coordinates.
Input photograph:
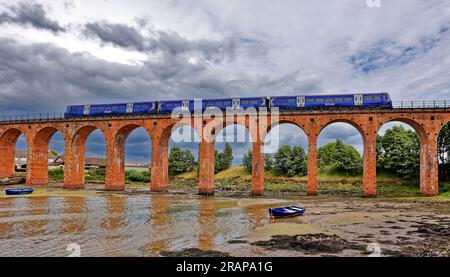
(222, 104)
(379, 100)
(110, 109)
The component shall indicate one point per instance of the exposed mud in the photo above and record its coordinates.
(311, 243)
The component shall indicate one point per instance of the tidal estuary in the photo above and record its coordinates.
(145, 224)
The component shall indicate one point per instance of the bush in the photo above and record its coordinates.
(224, 159)
(247, 161)
(137, 176)
(181, 161)
(399, 151)
(344, 158)
(97, 174)
(56, 174)
(289, 161)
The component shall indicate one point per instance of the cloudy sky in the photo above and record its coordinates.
(55, 53)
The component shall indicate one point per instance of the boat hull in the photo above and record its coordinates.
(283, 212)
(18, 191)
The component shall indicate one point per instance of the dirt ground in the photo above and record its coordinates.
(362, 227)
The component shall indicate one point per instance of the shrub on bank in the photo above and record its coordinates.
(136, 176)
(56, 174)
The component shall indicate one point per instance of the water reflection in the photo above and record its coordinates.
(74, 219)
(6, 226)
(114, 213)
(36, 212)
(123, 225)
(207, 224)
(159, 221)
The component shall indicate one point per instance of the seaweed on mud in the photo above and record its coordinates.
(194, 252)
(311, 243)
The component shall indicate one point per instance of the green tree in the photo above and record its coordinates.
(444, 145)
(399, 152)
(444, 153)
(342, 157)
(227, 156)
(268, 161)
(247, 161)
(289, 161)
(180, 161)
(299, 160)
(346, 159)
(223, 159)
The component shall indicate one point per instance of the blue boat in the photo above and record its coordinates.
(289, 211)
(19, 191)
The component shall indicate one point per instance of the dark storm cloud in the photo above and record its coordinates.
(116, 34)
(46, 78)
(30, 14)
(168, 43)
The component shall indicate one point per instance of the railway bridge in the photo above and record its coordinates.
(38, 131)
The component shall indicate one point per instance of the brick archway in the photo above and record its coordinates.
(426, 165)
(8, 140)
(265, 133)
(160, 136)
(37, 170)
(115, 163)
(369, 150)
(75, 156)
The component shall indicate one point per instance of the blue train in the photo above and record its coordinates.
(372, 100)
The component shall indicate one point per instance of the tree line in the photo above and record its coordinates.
(398, 152)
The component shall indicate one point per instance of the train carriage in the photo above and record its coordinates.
(222, 104)
(110, 109)
(322, 101)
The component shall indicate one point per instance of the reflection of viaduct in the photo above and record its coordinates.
(426, 122)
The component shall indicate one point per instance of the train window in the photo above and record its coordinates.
(310, 100)
(372, 98)
(329, 100)
(349, 99)
(287, 101)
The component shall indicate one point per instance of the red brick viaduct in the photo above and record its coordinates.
(426, 122)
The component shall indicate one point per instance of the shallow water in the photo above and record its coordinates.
(125, 225)
(141, 224)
